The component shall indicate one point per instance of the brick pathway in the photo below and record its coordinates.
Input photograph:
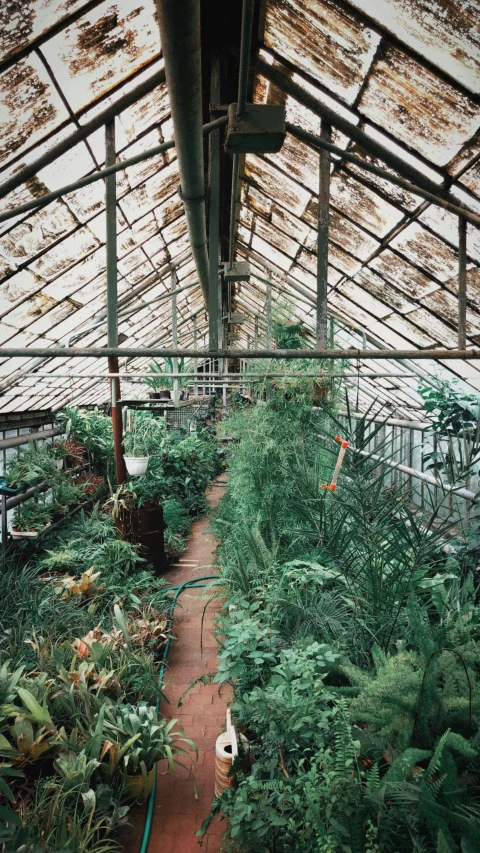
(182, 801)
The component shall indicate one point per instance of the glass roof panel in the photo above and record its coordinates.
(322, 39)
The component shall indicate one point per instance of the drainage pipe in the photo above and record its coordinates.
(179, 24)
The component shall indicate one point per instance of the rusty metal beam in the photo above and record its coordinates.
(112, 312)
(156, 352)
(179, 25)
(462, 283)
(322, 237)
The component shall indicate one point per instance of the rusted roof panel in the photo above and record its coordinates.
(322, 39)
(29, 106)
(102, 48)
(419, 25)
(392, 269)
(419, 108)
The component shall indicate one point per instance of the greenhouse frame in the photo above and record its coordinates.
(240, 426)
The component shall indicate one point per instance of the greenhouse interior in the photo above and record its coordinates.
(240, 426)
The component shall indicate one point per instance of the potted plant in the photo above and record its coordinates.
(59, 451)
(139, 519)
(158, 382)
(135, 452)
(31, 518)
(137, 739)
(30, 467)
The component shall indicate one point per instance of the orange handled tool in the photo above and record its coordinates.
(341, 454)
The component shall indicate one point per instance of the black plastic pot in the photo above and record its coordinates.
(145, 527)
(155, 395)
(164, 394)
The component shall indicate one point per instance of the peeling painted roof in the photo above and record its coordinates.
(406, 72)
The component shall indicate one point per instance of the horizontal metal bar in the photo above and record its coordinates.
(389, 421)
(154, 352)
(427, 478)
(257, 374)
(319, 142)
(42, 200)
(18, 440)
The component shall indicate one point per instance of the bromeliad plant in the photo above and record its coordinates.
(139, 738)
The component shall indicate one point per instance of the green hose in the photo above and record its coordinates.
(191, 584)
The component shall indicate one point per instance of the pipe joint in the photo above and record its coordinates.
(187, 200)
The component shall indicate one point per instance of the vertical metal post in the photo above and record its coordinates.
(322, 237)
(268, 315)
(4, 523)
(462, 282)
(214, 214)
(112, 307)
(256, 333)
(176, 395)
(195, 361)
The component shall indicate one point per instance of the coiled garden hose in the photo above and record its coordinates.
(193, 583)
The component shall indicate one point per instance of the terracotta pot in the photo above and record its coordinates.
(135, 787)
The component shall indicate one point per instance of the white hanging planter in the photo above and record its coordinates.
(136, 465)
(59, 464)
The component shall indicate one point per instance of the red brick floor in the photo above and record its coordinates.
(183, 801)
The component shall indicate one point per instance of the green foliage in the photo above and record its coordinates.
(351, 642)
(32, 465)
(456, 424)
(32, 515)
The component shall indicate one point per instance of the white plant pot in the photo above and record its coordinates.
(59, 464)
(28, 534)
(136, 465)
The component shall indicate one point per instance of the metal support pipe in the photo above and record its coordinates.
(428, 195)
(195, 361)
(462, 283)
(322, 238)
(245, 48)
(214, 212)
(133, 377)
(420, 425)
(161, 352)
(3, 505)
(179, 24)
(176, 396)
(466, 494)
(268, 315)
(18, 440)
(42, 200)
(255, 338)
(112, 328)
